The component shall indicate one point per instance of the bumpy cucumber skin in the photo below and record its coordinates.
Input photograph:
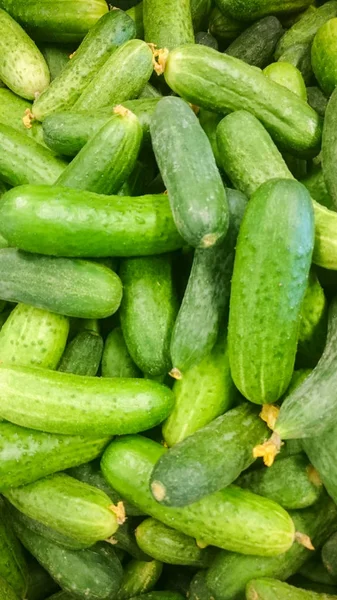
(168, 25)
(231, 519)
(262, 359)
(93, 291)
(112, 30)
(187, 165)
(194, 468)
(6, 591)
(83, 354)
(122, 77)
(321, 450)
(139, 577)
(257, 43)
(28, 455)
(56, 57)
(324, 56)
(116, 359)
(12, 110)
(255, 9)
(13, 567)
(329, 148)
(313, 324)
(64, 222)
(223, 27)
(220, 82)
(287, 75)
(148, 311)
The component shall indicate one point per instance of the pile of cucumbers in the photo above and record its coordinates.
(168, 300)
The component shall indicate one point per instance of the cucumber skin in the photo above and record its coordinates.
(46, 220)
(139, 577)
(116, 359)
(6, 591)
(33, 337)
(83, 354)
(320, 450)
(40, 583)
(136, 14)
(225, 519)
(299, 55)
(324, 58)
(94, 291)
(194, 468)
(255, 9)
(13, 567)
(28, 455)
(317, 101)
(56, 57)
(198, 589)
(200, 10)
(169, 25)
(313, 325)
(272, 589)
(187, 165)
(329, 555)
(220, 82)
(223, 27)
(262, 361)
(122, 77)
(289, 76)
(22, 66)
(329, 149)
(257, 43)
(12, 110)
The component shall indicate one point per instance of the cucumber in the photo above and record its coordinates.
(206, 299)
(206, 39)
(56, 57)
(117, 144)
(177, 579)
(40, 584)
(148, 311)
(13, 567)
(46, 219)
(262, 360)
(324, 56)
(320, 450)
(33, 337)
(299, 55)
(69, 506)
(329, 555)
(329, 148)
(187, 165)
(22, 66)
(220, 82)
(317, 100)
(230, 572)
(313, 324)
(83, 354)
(315, 571)
(139, 577)
(170, 546)
(110, 31)
(287, 75)
(136, 14)
(209, 121)
(124, 540)
(195, 468)
(76, 288)
(116, 359)
(12, 110)
(157, 595)
(200, 10)
(205, 392)
(122, 77)
(28, 455)
(65, 21)
(149, 91)
(6, 591)
(255, 9)
(198, 589)
(272, 589)
(223, 27)
(315, 184)
(24, 160)
(233, 518)
(257, 43)
(168, 25)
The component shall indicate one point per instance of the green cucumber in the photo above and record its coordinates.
(200, 10)
(12, 110)
(272, 589)
(69, 506)
(230, 572)
(124, 540)
(315, 184)
(187, 165)
(116, 359)
(6, 591)
(76, 288)
(157, 595)
(271, 291)
(320, 450)
(317, 100)
(168, 25)
(299, 55)
(56, 57)
(233, 518)
(122, 77)
(313, 324)
(177, 579)
(13, 567)
(40, 584)
(257, 43)
(112, 30)
(205, 392)
(255, 9)
(315, 571)
(46, 219)
(33, 337)
(62, 22)
(329, 148)
(287, 75)
(329, 555)
(220, 82)
(22, 66)
(324, 56)
(206, 39)
(148, 311)
(136, 14)
(205, 303)
(170, 546)
(149, 91)
(198, 589)
(209, 121)
(139, 577)
(117, 144)
(28, 455)
(223, 27)
(83, 354)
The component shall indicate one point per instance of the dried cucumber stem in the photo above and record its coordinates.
(159, 58)
(158, 490)
(28, 118)
(121, 110)
(72, 55)
(119, 511)
(304, 540)
(268, 450)
(314, 476)
(269, 414)
(175, 373)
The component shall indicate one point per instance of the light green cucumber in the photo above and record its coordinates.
(83, 354)
(168, 25)
(13, 567)
(116, 359)
(272, 589)
(256, 44)
(324, 56)
(139, 577)
(315, 184)
(56, 57)
(287, 75)
(313, 324)
(12, 112)
(6, 591)
(136, 14)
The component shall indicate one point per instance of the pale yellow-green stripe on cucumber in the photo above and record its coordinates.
(139, 577)
(13, 566)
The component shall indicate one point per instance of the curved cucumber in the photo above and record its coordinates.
(46, 220)
(116, 359)
(83, 354)
(255, 9)
(313, 324)
(233, 519)
(76, 288)
(6, 591)
(287, 75)
(257, 43)
(324, 56)
(12, 110)
(139, 577)
(168, 25)
(13, 567)
(56, 57)
(272, 589)
(187, 165)
(33, 337)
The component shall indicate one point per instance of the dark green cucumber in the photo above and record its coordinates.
(200, 10)
(329, 555)
(324, 56)
(205, 392)
(170, 546)
(209, 121)
(195, 468)
(148, 311)
(329, 148)
(69, 506)
(206, 39)
(177, 579)
(112, 30)
(46, 219)
(317, 100)
(299, 56)
(6, 591)
(13, 567)
(77, 288)
(136, 14)
(320, 450)
(255, 9)
(287, 75)
(13, 109)
(223, 27)
(271, 291)
(313, 324)
(230, 572)
(56, 57)
(83, 354)
(220, 82)
(40, 584)
(233, 518)
(256, 44)
(315, 571)
(198, 589)
(122, 77)
(206, 299)
(116, 359)
(28, 455)
(168, 25)
(187, 165)
(139, 577)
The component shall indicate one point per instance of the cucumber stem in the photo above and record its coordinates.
(119, 511)
(304, 540)
(269, 414)
(268, 450)
(159, 58)
(28, 118)
(175, 373)
(158, 491)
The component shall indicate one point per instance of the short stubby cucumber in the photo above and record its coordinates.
(13, 566)
(116, 359)
(324, 56)
(65, 222)
(168, 25)
(187, 165)
(139, 577)
(255, 9)
(83, 354)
